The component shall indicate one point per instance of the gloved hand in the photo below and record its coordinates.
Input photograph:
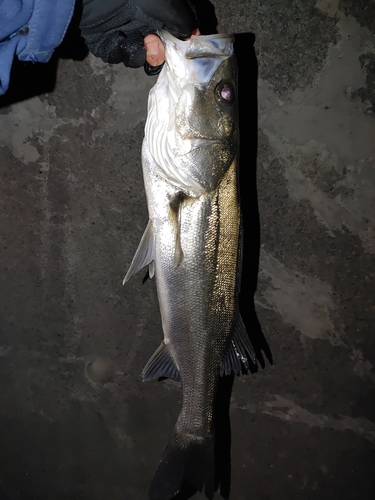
(114, 29)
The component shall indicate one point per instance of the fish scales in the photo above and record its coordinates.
(192, 244)
(217, 314)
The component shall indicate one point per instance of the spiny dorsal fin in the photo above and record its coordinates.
(240, 353)
(160, 365)
(144, 255)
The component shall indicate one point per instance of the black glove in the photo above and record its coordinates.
(114, 29)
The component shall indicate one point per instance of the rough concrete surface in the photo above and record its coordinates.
(76, 422)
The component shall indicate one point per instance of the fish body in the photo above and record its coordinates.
(192, 244)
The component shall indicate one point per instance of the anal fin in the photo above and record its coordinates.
(240, 354)
(160, 365)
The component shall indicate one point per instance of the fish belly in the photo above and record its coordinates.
(196, 291)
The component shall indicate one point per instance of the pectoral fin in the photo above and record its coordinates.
(151, 269)
(160, 365)
(178, 253)
(144, 255)
(175, 206)
(240, 353)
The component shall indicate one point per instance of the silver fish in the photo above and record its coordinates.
(192, 244)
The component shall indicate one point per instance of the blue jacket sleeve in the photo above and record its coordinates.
(31, 30)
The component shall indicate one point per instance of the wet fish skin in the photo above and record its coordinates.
(192, 243)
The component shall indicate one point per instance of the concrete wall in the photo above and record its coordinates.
(76, 422)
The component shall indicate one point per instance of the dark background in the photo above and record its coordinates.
(76, 422)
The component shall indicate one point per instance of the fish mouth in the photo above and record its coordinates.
(198, 46)
(197, 58)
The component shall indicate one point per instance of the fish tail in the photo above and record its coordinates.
(184, 467)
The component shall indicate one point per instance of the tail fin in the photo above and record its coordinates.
(184, 466)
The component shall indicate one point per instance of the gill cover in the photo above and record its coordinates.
(178, 128)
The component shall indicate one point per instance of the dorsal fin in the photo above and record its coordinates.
(240, 354)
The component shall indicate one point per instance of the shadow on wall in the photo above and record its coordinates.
(29, 80)
(248, 118)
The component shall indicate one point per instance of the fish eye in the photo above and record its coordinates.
(225, 92)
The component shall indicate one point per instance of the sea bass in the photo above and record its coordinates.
(192, 243)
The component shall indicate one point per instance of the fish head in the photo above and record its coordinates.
(196, 99)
